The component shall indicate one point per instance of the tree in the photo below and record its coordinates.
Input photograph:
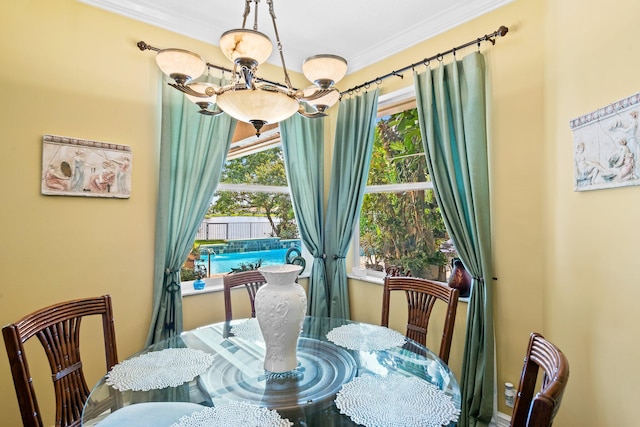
(263, 168)
(403, 228)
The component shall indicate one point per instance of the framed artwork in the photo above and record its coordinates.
(81, 167)
(606, 145)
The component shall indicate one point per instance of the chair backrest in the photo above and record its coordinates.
(421, 297)
(539, 410)
(251, 280)
(58, 330)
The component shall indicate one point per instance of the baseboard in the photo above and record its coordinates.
(501, 420)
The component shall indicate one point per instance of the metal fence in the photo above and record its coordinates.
(234, 230)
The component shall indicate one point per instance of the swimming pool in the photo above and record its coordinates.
(223, 263)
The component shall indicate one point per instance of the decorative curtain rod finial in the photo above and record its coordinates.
(142, 45)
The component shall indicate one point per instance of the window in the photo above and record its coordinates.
(250, 221)
(400, 223)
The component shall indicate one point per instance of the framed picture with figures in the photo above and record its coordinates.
(81, 167)
(606, 146)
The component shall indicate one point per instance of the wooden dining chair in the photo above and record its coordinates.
(251, 280)
(422, 295)
(539, 410)
(58, 330)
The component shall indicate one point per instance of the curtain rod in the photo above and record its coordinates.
(500, 32)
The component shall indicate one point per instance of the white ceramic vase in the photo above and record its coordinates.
(281, 305)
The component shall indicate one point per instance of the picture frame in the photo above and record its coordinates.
(606, 146)
(86, 168)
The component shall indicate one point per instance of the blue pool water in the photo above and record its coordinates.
(223, 263)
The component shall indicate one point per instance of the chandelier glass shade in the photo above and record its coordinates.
(181, 65)
(324, 70)
(205, 103)
(259, 106)
(249, 98)
(242, 44)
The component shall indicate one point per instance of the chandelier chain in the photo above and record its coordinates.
(255, 17)
(287, 80)
(247, 10)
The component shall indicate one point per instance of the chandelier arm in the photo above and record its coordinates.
(317, 94)
(315, 115)
(287, 80)
(206, 112)
(186, 89)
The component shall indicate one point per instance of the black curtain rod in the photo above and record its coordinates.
(500, 32)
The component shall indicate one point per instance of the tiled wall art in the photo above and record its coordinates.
(81, 167)
(606, 144)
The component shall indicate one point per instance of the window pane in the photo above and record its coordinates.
(403, 229)
(398, 153)
(401, 226)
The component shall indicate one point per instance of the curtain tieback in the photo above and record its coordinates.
(338, 257)
(479, 279)
(173, 287)
(323, 256)
(168, 271)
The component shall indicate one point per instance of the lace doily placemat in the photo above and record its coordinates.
(395, 400)
(234, 414)
(248, 330)
(365, 337)
(159, 369)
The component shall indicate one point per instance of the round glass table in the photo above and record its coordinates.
(306, 395)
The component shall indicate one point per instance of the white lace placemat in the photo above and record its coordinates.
(234, 414)
(248, 330)
(365, 337)
(395, 400)
(159, 369)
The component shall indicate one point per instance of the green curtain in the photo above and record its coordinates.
(303, 148)
(192, 153)
(453, 120)
(349, 173)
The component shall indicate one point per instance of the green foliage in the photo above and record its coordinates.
(247, 266)
(403, 228)
(262, 168)
(187, 274)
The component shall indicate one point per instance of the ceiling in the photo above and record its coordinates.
(361, 31)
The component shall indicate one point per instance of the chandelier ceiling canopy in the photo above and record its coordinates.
(247, 97)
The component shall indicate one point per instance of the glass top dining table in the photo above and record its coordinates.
(305, 396)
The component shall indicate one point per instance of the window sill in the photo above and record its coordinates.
(211, 284)
(214, 284)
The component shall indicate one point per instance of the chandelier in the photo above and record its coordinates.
(248, 98)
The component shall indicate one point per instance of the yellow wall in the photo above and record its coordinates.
(563, 259)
